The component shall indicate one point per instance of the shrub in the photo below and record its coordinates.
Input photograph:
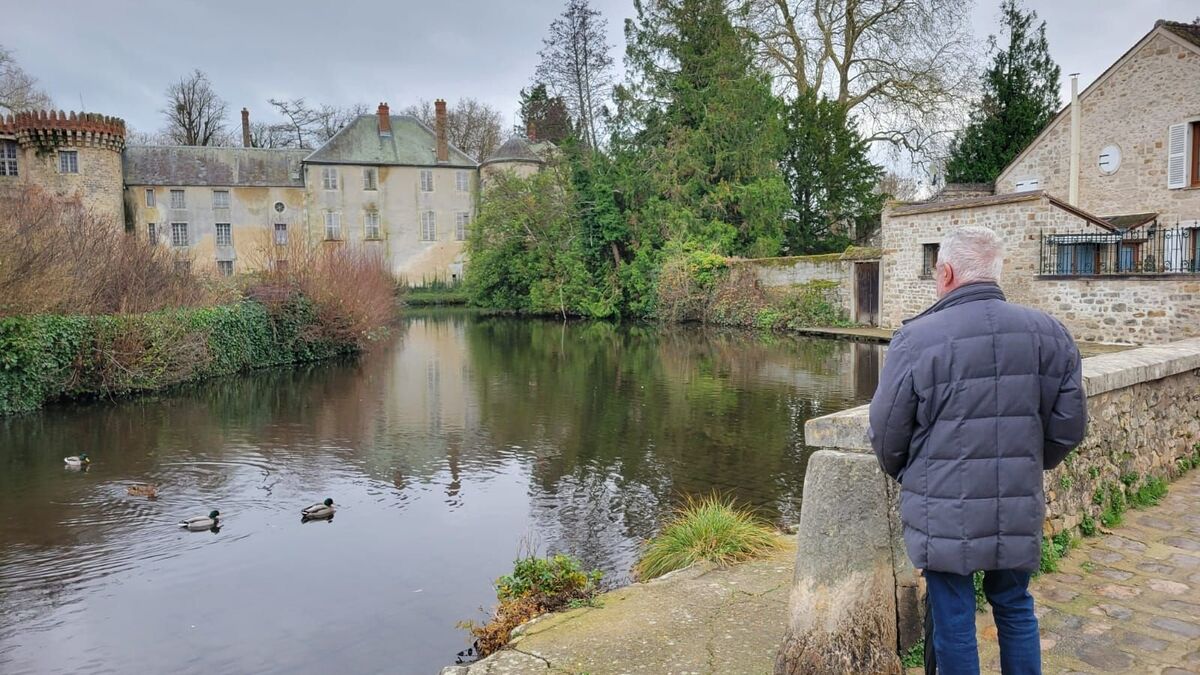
(1053, 550)
(536, 586)
(709, 529)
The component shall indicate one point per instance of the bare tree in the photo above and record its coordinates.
(577, 65)
(264, 135)
(471, 125)
(195, 113)
(310, 126)
(18, 89)
(904, 68)
(138, 137)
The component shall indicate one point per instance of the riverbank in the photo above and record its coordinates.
(703, 619)
(46, 358)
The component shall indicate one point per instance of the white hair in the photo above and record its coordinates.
(975, 253)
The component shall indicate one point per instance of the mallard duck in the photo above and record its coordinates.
(319, 511)
(144, 490)
(77, 461)
(201, 523)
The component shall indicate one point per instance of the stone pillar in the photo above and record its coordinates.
(855, 597)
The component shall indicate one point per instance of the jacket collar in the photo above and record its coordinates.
(982, 290)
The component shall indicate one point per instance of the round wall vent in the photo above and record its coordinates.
(279, 207)
(1109, 160)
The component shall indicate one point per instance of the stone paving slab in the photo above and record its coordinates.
(699, 621)
(1127, 602)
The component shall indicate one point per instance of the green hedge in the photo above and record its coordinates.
(44, 358)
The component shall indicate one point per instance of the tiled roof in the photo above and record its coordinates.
(202, 165)
(1130, 221)
(1187, 31)
(410, 144)
(515, 149)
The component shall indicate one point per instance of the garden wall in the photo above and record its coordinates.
(836, 269)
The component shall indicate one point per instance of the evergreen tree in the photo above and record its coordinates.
(831, 178)
(702, 135)
(545, 115)
(1020, 96)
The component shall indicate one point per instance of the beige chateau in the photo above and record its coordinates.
(385, 182)
(1100, 213)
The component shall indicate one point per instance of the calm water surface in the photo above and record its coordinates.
(449, 449)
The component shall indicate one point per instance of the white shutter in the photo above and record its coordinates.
(1177, 156)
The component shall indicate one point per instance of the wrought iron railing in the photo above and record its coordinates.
(1149, 249)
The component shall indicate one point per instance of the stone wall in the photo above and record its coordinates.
(1131, 106)
(1129, 310)
(1144, 408)
(788, 271)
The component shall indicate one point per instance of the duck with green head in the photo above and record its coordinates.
(201, 523)
(77, 461)
(320, 511)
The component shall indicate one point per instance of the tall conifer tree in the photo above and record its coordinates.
(1020, 96)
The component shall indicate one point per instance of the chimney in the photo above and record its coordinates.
(531, 131)
(245, 128)
(1076, 113)
(385, 120)
(443, 148)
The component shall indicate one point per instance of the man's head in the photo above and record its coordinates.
(966, 256)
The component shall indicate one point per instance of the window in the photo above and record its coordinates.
(8, 158)
(428, 226)
(371, 225)
(150, 197)
(152, 232)
(1183, 155)
(462, 181)
(426, 180)
(68, 161)
(225, 268)
(1129, 257)
(461, 220)
(220, 199)
(329, 177)
(281, 238)
(1078, 259)
(224, 234)
(370, 178)
(177, 200)
(179, 235)
(333, 225)
(929, 254)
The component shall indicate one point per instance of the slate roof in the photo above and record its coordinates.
(1187, 31)
(515, 149)
(1130, 221)
(411, 144)
(220, 167)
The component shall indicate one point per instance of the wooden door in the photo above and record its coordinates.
(866, 293)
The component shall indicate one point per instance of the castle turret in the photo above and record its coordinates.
(69, 154)
(517, 155)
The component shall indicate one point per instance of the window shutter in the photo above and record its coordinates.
(1177, 156)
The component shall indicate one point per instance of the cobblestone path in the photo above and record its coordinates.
(1126, 602)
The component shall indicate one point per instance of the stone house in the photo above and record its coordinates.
(385, 182)
(1100, 214)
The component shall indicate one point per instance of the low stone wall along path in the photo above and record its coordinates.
(1126, 602)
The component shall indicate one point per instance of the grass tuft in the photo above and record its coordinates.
(710, 528)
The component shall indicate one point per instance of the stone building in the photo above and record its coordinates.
(385, 182)
(69, 155)
(1100, 214)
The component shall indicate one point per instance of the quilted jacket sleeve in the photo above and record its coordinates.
(1068, 417)
(893, 410)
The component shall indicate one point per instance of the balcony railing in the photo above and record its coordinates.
(1150, 250)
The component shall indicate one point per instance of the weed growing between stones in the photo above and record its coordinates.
(1054, 549)
(915, 656)
(710, 528)
(980, 596)
(536, 586)
(1087, 526)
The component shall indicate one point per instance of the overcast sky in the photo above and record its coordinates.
(118, 56)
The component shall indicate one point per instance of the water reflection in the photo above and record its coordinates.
(444, 451)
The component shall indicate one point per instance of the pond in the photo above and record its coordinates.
(462, 442)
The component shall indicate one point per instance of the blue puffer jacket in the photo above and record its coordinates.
(977, 398)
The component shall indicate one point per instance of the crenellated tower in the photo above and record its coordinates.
(66, 154)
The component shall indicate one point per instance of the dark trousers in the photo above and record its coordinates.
(951, 604)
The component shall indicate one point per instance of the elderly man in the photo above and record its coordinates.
(977, 398)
